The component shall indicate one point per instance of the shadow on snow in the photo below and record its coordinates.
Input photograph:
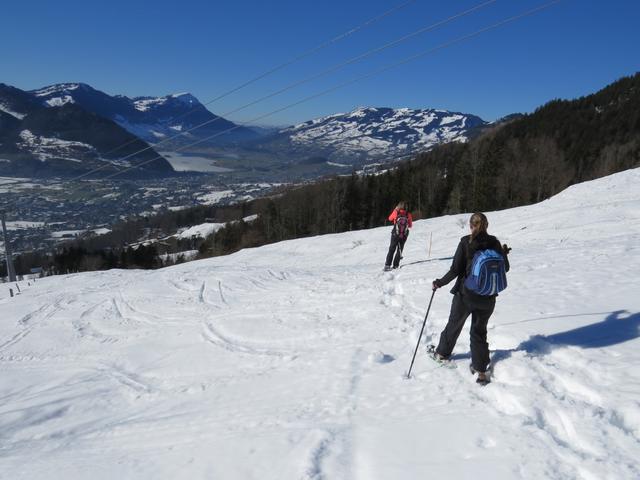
(426, 261)
(617, 327)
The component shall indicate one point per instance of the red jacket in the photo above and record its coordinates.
(394, 215)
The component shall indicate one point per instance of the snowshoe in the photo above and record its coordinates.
(439, 359)
(482, 381)
(482, 378)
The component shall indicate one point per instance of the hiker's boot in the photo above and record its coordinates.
(482, 378)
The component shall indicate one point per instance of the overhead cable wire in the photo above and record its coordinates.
(298, 83)
(352, 81)
(323, 73)
(360, 78)
(312, 51)
(296, 59)
(290, 62)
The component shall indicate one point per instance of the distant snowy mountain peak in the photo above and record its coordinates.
(144, 104)
(58, 94)
(58, 88)
(67, 129)
(149, 118)
(376, 132)
(185, 97)
(59, 101)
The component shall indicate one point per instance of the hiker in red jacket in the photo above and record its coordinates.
(402, 222)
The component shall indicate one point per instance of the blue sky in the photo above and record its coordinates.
(209, 47)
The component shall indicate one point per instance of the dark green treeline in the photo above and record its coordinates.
(516, 163)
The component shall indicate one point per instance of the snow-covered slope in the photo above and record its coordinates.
(288, 361)
(379, 132)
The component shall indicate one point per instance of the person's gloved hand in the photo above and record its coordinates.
(505, 249)
(435, 285)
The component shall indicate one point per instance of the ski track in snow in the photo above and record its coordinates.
(31, 321)
(289, 361)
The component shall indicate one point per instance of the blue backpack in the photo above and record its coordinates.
(487, 275)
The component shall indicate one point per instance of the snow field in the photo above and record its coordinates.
(288, 361)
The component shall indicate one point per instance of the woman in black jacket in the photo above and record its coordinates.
(466, 302)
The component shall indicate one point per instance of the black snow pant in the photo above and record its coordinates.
(396, 245)
(461, 307)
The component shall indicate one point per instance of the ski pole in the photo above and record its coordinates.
(420, 336)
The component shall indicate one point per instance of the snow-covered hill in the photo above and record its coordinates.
(288, 361)
(372, 133)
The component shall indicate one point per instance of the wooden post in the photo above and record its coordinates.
(18, 287)
(11, 292)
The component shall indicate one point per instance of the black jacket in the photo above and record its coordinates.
(462, 260)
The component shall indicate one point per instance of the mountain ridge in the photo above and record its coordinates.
(64, 139)
(153, 119)
(372, 133)
(331, 143)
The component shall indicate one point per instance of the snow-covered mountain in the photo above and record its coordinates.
(288, 361)
(375, 133)
(153, 119)
(44, 135)
(365, 135)
(16, 103)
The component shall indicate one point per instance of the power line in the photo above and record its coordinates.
(293, 85)
(331, 69)
(312, 51)
(295, 59)
(359, 78)
(352, 81)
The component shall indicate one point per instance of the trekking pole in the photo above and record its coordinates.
(420, 336)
